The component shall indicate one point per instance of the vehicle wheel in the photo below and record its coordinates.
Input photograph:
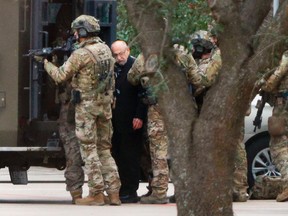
(259, 160)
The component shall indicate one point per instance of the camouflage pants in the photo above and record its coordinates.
(94, 130)
(240, 183)
(279, 146)
(74, 174)
(158, 150)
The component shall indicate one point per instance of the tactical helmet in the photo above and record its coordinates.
(89, 23)
(201, 34)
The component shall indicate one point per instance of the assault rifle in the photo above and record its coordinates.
(59, 51)
(258, 118)
(265, 97)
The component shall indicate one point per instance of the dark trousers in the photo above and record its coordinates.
(126, 150)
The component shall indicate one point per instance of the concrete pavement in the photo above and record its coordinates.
(51, 199)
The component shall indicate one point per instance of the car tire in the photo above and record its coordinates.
(259, 159)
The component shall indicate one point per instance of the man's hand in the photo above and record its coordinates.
(182, 56)
(144, 81)
(179, 50)
(283, 67)
(39, 58)
(285, 56)
(137, 123)
(54, 59)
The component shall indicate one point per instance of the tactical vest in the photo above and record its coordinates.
(96, 76)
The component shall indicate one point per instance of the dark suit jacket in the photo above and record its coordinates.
(128, 103)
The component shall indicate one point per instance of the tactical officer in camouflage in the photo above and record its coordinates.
(158, 141)
(202, 68)
(91, 69)
(74, 174)
(202, 65)
(240, 183)
(277, 83)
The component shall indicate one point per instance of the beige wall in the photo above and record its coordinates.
(9, 25)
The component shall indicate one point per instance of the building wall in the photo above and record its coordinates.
(9, 25)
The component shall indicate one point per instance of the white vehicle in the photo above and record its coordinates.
(256, 142)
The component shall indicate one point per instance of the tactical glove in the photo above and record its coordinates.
(39, 58)
(273, 81)
(183, 57)
(54, 59)
(283, 67)
(144, 81)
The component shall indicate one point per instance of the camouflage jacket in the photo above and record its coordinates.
(138, 75)
(137, 70)
(203, 73)
(278, 81)
(86, 66)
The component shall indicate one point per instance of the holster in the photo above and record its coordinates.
(276, 125)
(75, 96)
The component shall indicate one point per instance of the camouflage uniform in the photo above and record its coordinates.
(240, 183)
(93, 113)
(158, 150)
(74, 174)
(158, 141)
(202, 74)
(277, 83)
(266, 187)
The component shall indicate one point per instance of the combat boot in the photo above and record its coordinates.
(149, 192)
(114, 199)
(76, 194)
(282, 197)
(92, 199)
(106, 200)
(154, 199)
(172, 199)
(240, 197)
